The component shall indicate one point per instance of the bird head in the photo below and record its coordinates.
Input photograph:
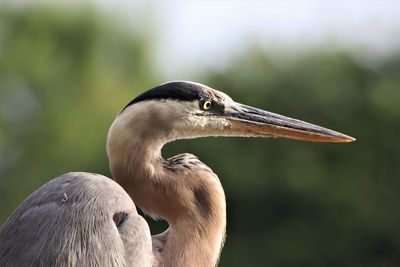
(181, 109)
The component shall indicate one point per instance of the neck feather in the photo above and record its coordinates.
(191, 200)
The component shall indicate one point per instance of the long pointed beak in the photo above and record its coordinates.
(249, 121)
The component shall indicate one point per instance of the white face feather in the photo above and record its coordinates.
(167, 120)
(198, 124)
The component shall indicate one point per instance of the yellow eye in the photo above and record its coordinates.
(207, 104)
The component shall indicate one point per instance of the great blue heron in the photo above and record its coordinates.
(82, 219)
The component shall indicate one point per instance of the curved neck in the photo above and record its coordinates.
(191, 200)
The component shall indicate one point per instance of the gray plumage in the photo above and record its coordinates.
(70, 222)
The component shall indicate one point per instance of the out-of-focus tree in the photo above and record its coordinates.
(304, 204)
(63, 76)
(65, 73)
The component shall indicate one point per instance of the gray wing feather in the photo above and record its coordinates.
(70, 221)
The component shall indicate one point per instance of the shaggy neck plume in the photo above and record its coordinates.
(185, 193)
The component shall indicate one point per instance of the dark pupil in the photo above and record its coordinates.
(119, 218)
(208, 104)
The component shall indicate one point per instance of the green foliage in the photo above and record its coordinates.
(64, 74)
(63, 77)
(315, 204)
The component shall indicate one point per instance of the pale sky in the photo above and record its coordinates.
(198, 34)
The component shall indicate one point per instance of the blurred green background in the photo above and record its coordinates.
(65, 73)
